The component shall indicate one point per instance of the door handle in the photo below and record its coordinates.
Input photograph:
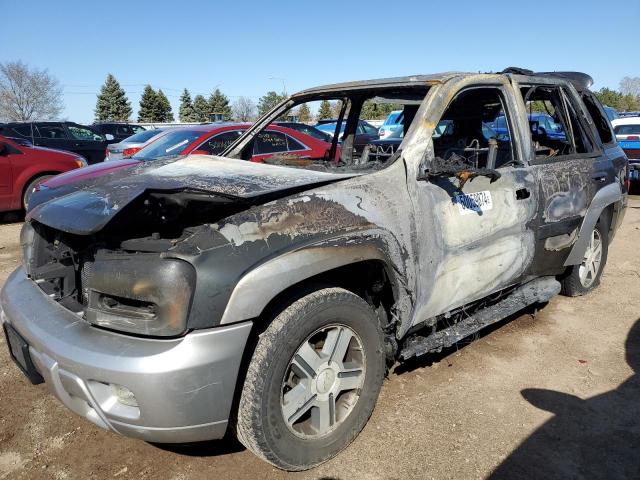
(599, 177)
(522, 193)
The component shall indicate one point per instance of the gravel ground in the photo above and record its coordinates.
(552, 395)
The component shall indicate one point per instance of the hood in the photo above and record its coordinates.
(85, 207)
(87, 173)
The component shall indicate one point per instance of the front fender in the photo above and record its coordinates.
(258, 287)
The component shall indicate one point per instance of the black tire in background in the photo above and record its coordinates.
(261, 424)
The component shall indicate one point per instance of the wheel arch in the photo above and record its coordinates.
(31, 178)
(260, 290)
(604, 200)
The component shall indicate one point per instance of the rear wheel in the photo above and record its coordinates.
(585, 277)
(313, 380)
(28, 190)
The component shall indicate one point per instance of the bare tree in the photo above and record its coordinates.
(630, 86)
(244, 109)
(28, 94)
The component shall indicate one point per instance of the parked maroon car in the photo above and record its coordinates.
(23, 167)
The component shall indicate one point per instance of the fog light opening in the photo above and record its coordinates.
(124, 395)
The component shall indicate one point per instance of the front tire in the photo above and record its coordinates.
(313, 380)
(585, 277)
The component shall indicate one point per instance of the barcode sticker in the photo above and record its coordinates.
(473, 202)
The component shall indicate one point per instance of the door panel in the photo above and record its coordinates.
(486, 241)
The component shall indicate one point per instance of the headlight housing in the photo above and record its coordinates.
(27, 239)
(142, 294)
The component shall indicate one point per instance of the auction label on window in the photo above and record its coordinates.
(476, 202)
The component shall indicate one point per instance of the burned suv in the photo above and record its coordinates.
(176, 299)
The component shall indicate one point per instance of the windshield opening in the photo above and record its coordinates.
(339, 131)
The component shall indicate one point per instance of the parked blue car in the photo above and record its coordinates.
(393, 122)
(540, 123)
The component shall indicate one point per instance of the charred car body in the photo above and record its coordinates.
(170, 300)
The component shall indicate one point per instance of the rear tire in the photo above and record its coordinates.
(29, 189)
(300, 406)
(585, 277)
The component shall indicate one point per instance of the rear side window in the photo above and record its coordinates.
(293, 144)
(627, 130)
(270, 142)
(600, 119)
(216, 144)
(22, 130)
(51, 131)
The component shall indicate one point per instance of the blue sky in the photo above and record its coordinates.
(239, 45)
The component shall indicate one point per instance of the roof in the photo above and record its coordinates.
(579, 79)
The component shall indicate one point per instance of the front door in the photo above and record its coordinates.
(477, 235)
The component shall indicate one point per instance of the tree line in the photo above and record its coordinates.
(28, 94)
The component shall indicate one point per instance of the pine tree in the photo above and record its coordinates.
(112, 103)
(304, 113)
(268, 101)
(219, 104)
(165, 114)
(148, 105)
(200, 109)
(324, 112)
(186, 113)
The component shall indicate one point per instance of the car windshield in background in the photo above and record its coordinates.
(142, 136)
(171, 144)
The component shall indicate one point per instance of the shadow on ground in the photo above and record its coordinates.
(11, 217)
(212, 448)
(596, 438)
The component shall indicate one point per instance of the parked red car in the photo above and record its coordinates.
(213, 139)
(23, 167)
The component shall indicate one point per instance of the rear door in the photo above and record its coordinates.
(570, 167)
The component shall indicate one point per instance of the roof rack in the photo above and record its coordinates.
(580, 80)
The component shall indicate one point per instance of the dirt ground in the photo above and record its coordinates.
(555, 395)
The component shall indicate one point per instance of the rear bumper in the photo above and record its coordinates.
(183, 387)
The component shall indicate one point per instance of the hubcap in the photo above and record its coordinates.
(322, 383)
(590, 265)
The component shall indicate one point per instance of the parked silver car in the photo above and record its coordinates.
(130, 145)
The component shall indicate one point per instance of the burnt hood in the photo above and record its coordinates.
(85, 208)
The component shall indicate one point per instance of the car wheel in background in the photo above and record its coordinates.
(28, 190)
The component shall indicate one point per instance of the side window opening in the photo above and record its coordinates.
(555, 126)
(50, 131)
(474, 131)
(600, 119)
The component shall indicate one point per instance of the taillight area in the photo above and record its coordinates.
(128, 152)
(634, 138)
(106, 154)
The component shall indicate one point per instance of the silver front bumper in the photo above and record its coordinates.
(183, 387)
